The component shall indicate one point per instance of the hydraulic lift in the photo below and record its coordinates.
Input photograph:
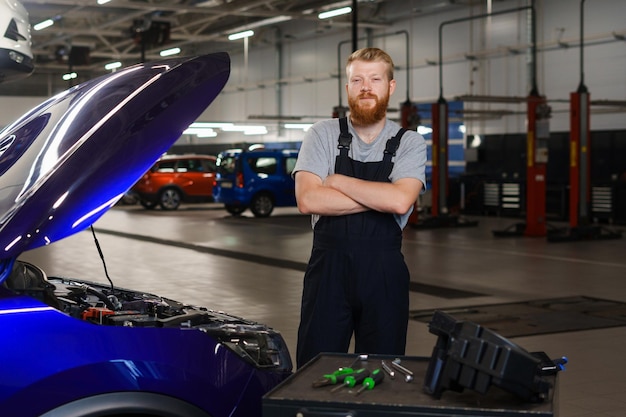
(440, 215)
(537, 116)
(581, 226)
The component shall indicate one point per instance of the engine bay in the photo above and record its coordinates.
(108, 305)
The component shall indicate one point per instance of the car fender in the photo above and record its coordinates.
(122, 385)
(86, 362)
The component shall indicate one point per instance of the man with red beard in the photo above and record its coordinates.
(359, 178)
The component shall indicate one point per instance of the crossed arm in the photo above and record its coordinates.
(340, 194)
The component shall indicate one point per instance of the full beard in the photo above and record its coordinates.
(361, 115)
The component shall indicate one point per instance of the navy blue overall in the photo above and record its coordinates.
(356, 279)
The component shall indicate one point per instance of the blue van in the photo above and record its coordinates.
(256, 179)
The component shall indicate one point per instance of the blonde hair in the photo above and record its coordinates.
(372, 55)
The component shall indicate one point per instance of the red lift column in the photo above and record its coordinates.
(580, 220)
(439, 150)
(579, 178)
(537, 159)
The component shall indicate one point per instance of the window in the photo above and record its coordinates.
(263, 165)
(290, 164)
(165, 166)
(227, 165)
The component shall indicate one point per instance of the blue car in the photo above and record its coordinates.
(259, 179)
(77, 348)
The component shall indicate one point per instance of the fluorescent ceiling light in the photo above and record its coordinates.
(112, 65)
(303, 126)
(247, 130)
(264, 22)
(240, 35)
(205, 129)
(335, 12)
(255, 130)
(269, 21)
(206, 134)
(69, 76)
(201, 132)
(44, 24)
(171, 51)
(103, 1)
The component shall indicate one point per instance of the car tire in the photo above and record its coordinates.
(148, 204)
(234, 210)
(262, 205)
(169, 199)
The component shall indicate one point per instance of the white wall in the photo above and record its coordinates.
(310, 89)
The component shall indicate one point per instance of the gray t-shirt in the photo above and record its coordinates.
(319, 151)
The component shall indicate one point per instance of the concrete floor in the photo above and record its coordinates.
(254, 267)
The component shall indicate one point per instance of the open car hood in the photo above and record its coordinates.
(66, 162)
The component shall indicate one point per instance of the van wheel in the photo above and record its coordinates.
(234, 210)
(262, 205)
(169, 199)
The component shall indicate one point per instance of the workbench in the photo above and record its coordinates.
(296, 397)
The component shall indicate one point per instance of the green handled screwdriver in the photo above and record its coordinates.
(371, 381)
(336, 377)
(353, 379)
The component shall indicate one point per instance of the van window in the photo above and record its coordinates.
(227, 164)
(290, 164)
(263, 165)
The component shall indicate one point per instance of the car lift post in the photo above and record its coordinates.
(580, 221)
(538, 133)
(580, 160)
(440, 214)
(536, 160)
(439, 151)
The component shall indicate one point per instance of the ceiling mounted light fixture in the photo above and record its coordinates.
(264, 22)
(240, 35)
(112, 65)
(303, 126)
(42, 25)
(336, 12)
(169, 52)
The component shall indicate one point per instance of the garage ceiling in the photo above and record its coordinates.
(93, 34)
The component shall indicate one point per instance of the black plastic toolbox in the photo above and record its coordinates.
(296, 397)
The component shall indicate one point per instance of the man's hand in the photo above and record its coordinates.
(314, 197)
(397, 197)
(341, 194)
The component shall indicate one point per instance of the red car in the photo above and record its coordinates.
(174, 179)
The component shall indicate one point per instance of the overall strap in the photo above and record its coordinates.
(345, 137)
(391, 147)
(392, 144)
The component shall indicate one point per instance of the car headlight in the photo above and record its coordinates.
(257, 344)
